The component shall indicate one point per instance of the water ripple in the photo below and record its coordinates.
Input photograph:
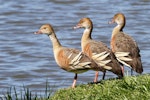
(27, 59)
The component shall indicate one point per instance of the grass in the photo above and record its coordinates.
(27, 94)
(128, 88)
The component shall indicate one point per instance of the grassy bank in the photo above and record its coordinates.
(129, 88)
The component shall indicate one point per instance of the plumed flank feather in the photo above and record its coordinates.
(85, 64)
(125, 58)
(124, 63)
(70, 56)
(100, 64)
(76, 59)
(103, 57)
(108, 67)
(76, 64)
(103, 64)
(105, 61)
(99, 58)
(95, 55)
(121, 54)
(81, 65)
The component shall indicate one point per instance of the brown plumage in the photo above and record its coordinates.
(124, 46)
(97, 50)
(69, 59)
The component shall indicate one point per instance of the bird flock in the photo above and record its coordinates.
(95, 55)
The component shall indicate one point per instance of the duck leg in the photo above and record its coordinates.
(96, 76)
(74, 81)
(122, 68)
(131, 72)
(104, 73)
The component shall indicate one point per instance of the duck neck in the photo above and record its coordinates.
(86, 36)
(117, 29)
(55, 42)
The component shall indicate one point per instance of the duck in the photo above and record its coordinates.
(124, 47)
(68, 59)
(97, 50)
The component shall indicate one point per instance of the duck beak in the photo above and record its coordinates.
(112, 21)
(38, 32)
(77, 26)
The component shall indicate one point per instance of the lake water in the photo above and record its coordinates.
(27, 59)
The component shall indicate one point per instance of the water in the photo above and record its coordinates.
(27, 59)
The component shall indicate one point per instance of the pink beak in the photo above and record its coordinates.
(77, 26)
(111, 22)
(38, 32)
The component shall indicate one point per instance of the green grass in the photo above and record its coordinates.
(27, 94)
(128, 88)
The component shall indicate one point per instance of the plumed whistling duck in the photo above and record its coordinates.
(97, 50)
(69, 59)
(124, 46)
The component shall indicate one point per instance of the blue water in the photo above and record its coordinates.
(27, 59)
